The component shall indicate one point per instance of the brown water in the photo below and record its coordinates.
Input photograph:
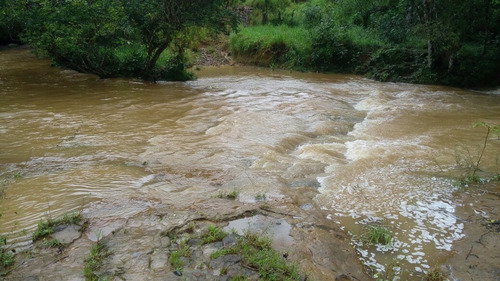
(374, 151)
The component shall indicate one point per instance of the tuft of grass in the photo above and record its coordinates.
(46, 227)
(258, 254)
(434, 275)
(6, 258)
(223, 252)
(377, 234)
(239, 278)
(228, 195)
(213, 234)
(223, 270)
(175, 256)
(94, 261)
(53, 243)
(260, 197)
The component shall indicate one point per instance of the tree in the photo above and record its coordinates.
(11, 21)
(120, 37)
(161, 22)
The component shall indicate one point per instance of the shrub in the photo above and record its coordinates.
(332, 48)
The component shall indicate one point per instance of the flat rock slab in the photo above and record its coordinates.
(67, 233)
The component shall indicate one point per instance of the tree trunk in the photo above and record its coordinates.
(427, 23)
(486, 25)
(151, 61)
(264, 15)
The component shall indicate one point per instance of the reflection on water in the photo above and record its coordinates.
(376, 152)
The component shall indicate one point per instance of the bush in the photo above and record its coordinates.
(332, 48)
(399, 64)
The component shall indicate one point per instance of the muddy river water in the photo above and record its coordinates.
(361, 151)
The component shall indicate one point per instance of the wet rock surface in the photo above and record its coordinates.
(477, 256)
(142, 235)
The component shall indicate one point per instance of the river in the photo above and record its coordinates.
(359, 150)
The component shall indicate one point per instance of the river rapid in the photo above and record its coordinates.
(361, 151)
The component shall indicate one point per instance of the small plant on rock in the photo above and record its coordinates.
(434, 275)
(94, 261)
(260, 197)
(175, 256)
(213, 234)
(257, 253)
(228, 195)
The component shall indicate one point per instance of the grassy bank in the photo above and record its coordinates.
(384, 40)
(274, 46)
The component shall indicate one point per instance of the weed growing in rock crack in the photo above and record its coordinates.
(223, 270)
(46, 227)
(175, 256)
(377, 234)
(434, 275)
(228, 195)
(213, 234)
(94, 261)
(191, 227)
(53, 243)
(223, 252)
(258, 254)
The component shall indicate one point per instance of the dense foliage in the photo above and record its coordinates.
(421, 41)
(426, 41)
(141, 38)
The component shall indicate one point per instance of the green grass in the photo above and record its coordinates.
(6, 258)
(53, 243)
(434, 275)
(228, 195)
(213, 234)
(239, 278)
(94, 261)
(267, 45)
(175, 256)
(257, 253)
(364, 38)
(377, 234)
(46, 227)
(260, 197)
(223, 252)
